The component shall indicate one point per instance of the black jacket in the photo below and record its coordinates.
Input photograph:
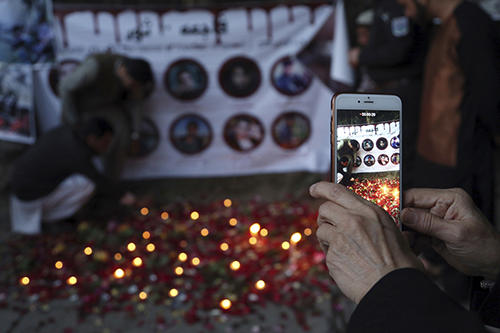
(58, 154)
(397, 45)
(407, 301)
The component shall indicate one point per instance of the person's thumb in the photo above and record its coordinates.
(424, 222)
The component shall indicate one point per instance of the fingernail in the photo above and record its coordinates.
(311, 188)
(409, 216)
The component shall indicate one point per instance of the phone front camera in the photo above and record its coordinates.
(359, 102)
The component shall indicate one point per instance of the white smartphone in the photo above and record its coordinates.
(366, 147)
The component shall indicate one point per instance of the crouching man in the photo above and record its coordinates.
(56, 177)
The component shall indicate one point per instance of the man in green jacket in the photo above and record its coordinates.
(113, 87)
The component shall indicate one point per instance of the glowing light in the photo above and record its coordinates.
(233, 221)
(296, 237)
(285, 245)
(144, 211)
(58, 264)
(307, 231)
(252, 240)
(227, 203)
(260, 284)
(137, 262)
(179, 270)
(87, 250)
(225, 304)
(195, 261)
(150, 247)
(395, 193)
(24, 280)
(143, 295)
(195, 215)
(131, 247)
(183, 243)
(264, 232)
(384, 189)
(119, 273)
(164, 216)
(224, 246)
(204, 232)
(72, 280)
(118, 256)
(146, 234)
(183, 256)
(254, 228)
(380, 191)
(235, 265)
(173, 292)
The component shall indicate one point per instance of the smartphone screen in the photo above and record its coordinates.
(368, 155)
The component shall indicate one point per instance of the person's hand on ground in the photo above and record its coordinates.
(459, 231)
(361, 241)
(128, 199)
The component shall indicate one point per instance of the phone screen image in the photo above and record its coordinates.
(368, 156)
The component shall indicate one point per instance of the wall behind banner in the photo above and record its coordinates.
(231, 98)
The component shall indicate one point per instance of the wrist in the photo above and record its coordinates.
(493, 269)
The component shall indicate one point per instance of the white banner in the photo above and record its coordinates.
(230, 96)
(377, 146)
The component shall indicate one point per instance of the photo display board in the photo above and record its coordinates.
(230, 98)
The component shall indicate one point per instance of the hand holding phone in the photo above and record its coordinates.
(366, 147)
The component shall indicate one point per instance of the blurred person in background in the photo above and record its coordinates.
(55, 177)
(393, 58)
(113, 87)
(364, 22)
(460, 102)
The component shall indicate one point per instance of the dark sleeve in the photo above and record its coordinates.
(83, 76)
(384, 49)
(478, 54)
(490, 308)
(405, 300)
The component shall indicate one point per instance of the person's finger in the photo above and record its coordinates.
(339, 194)
(325, 235)
(333, 214)
(350, 203)
(428, 224)
(428, 198)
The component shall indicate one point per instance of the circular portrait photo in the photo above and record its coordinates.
(382, 143)
(240, 77)
(367, 144)
(354, 144)
(383, 159)
(369, 160)
(395, 142)
(190, 134)
(148, 140)
(395, 158)
(186, 79)
(59, 71)
(357, 162)
(289, 77)
(291, 130)
(243, 132)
